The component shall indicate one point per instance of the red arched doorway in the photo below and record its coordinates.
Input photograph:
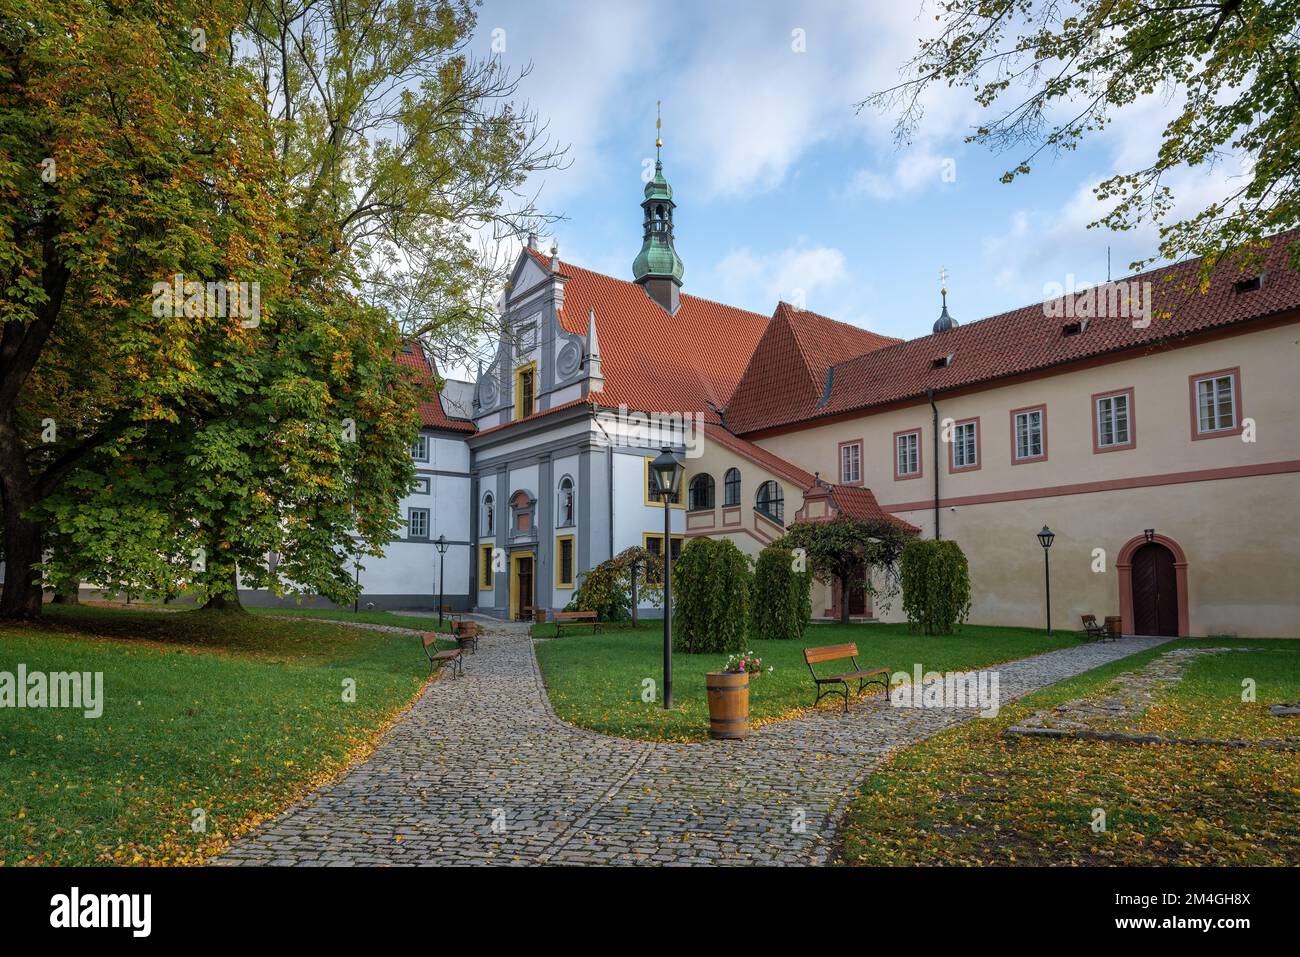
(1153, 587)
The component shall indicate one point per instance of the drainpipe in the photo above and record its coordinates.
(934, 457)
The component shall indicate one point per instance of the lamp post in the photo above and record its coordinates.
(1045, 538)
(356, 580)
(441, 545)
(667, 473)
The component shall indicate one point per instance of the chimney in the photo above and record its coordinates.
(532, 240)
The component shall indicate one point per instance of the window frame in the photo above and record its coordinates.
(520, 372)
(851, 443)
(487, 514)
(423, 485)
(726, 487)
(422, 443)
(920, 456)
(778, 519)
(659, 537)
(953, 467)
(410, 516)
(654, 502)
(1128, 392)
(1016, 458)
(561, 521)
(560, 582)
(1238, 415)
(691, 505)
(486, 574)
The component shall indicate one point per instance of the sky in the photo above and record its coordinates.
(784, 190)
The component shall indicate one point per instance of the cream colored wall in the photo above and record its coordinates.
(1238, 533)
(754, 531)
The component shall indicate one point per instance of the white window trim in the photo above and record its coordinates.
(1214, 398)
(907, 449)
(410, 523)
(1114, 432)
(1030, 454)
(974, 445)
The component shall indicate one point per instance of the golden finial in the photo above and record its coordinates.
(943, 283)
(659, 123)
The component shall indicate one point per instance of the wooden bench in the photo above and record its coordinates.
(466, 633)
(1093, 631)
(437, 658)
(572, 618)
(863, 676)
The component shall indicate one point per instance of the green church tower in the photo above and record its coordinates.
(657, 266)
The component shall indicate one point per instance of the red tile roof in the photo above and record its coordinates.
(761, 456)
(860, 503)
(788, 368)
(432, 414)
(1021, 341)
(651, 361)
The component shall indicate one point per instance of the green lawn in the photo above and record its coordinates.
(237, 716)
(595, 680)
(973, 796)
(420, 622)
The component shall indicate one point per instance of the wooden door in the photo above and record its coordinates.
(526, 600)
(1155, 591)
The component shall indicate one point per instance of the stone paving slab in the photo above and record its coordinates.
(481, 771)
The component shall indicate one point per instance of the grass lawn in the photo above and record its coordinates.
(237, 716)
(596, 680)
(972, 796)
(420, 622)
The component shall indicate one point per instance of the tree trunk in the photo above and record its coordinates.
(69, 596)
(21, 597)
(844, 599)
(227, 601)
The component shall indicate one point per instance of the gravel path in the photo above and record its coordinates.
(481, 771)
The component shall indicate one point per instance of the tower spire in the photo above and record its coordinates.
(659, 125)
(945, 321)
(657, 266)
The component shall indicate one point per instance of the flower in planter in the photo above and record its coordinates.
(745, 663)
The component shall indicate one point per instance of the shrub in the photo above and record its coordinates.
(936, 585)
(607, 588)
(843, 549)
(711, 586)
(782, 601)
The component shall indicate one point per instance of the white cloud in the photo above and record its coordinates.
(798, 273)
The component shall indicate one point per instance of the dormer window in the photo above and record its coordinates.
(1248, 285)
(1074, 328)
(525, 390)
(942, 362)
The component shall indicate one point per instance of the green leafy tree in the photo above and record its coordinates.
(844, 550)
(1053, 73)
(936, 585)
(711, 589)
(782, 600)
(607, 588)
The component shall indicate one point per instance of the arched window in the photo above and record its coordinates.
(771, 501)
(564, 503)
(701, 492)
(489, 516)
(731, 487)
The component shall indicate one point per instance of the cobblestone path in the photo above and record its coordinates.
(480, 771)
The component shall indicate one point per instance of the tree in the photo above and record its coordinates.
(847, 550)
(127, 155)
(607, 588)
(936, 585)
(782, 600)
(1058, 72)
(711, 588)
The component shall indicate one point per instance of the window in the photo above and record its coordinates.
(564, 510)
(1113, 427)
(564, 561)
(1029, 434)
(525, 390)
(1216, 398)
(907, 454)
(731, 487)
(770, 501)
(418, 523)
(420, 449)
(521, 512)
(700, 492)
(489, 520)
(654, 544)
(851, 463)
(421, 486)
(652, 496)
(965, 446)
(485, 567)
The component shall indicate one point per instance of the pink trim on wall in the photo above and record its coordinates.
(1132, 421)
(979, 450)
(839, 460)
(697, 519)
(920, 456)
(1124, 568)
(1041, 407)
(1235, 372)
(731, 516)
(1108, 485)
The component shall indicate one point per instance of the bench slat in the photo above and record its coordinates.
(830, 653)
(576, 615)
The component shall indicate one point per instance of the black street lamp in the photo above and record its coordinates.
(356, 580)
(1045, 538)
(441, 544)
(666, 471)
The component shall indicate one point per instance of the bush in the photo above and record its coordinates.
(936, 585)
(782, 600)
(607, 588)
(711, 586)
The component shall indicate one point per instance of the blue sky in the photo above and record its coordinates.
(781, 187)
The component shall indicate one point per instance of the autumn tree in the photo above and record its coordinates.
(1052, 73)
(845, 551)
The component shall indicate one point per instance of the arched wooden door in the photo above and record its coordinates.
(1155, 591)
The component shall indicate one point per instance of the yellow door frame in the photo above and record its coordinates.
(514, 580)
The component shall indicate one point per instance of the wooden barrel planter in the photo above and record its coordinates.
(1114, 626)
(539, 615)
(728, 704)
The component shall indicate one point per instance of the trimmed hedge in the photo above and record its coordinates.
(711, 587)
(936, 585)
(782, 600)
